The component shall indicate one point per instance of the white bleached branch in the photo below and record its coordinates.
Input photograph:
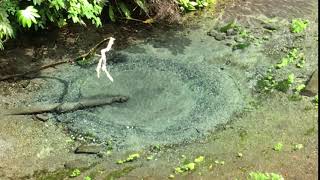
(102, 65)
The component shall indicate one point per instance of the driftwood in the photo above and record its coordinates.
(87, 55)
(68, 106)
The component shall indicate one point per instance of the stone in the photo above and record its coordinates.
(312, 85)
(42, 117)
(239, 39)
(217, 35)
(89, 149)
(25, 83)
(270, 27)
(231, 32)
(78, 163)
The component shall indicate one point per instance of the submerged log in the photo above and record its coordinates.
(68, 106)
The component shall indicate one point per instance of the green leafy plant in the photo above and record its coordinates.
(185, 167)
(298, 25)
(199, 159)
(268, 82)
(285, 84)
(278, 147)
(130, 158)
(87, 178)
(315, 100)
(297, 147)
(75, 173)
(28, 16)
(219, 162)
(264, 176)
(187, 5)
(291, 57)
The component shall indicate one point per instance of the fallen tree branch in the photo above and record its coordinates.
(68, 106)
(87, 55)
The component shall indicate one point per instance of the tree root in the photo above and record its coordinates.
(87, 55)
(68, 106)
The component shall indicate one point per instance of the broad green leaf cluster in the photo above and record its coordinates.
(299, 25)
(187, 5)
(40, 14)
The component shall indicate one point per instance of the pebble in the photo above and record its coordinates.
(89, 149)
(239, 39)
(231, 32)
(312, 85)
(217, 35)
(270, 27)
(77, 163)
(42, 117)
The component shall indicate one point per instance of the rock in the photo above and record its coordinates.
(78, 163)
(25, 83)
(29, 52)
(312, 85)
(270, 27)
(42, 117)
(239, 39)
(217, 35)
(231, 32)
(90, 149)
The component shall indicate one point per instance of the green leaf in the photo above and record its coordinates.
(199, 159)
(278, 147)
(28, 16)
(142, 4)
(124, 9)
(58, 4)
(111, 14)
(299, 25)
(37, 2)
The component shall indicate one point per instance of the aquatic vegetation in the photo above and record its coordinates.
(240, 46)
(219, 162)
(230, 25)
(87, 178)
(315, 100)
(130, 158)
(298, 25)
(264, 176)
(239, 155)
(119, 173)
(278, 147)
(297, 147)
(75, 173)
(150, 157)
(285, 84)
(268, 82)
(291, 57)
(184, 168)
(299, 88)
(188, 166)
(199, 159)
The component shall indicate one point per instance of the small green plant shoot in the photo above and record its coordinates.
(130, 158)
(75, 173)
(278, 147)
(264, 176)
(298, 25)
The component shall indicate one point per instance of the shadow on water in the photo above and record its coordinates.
(64, 88)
